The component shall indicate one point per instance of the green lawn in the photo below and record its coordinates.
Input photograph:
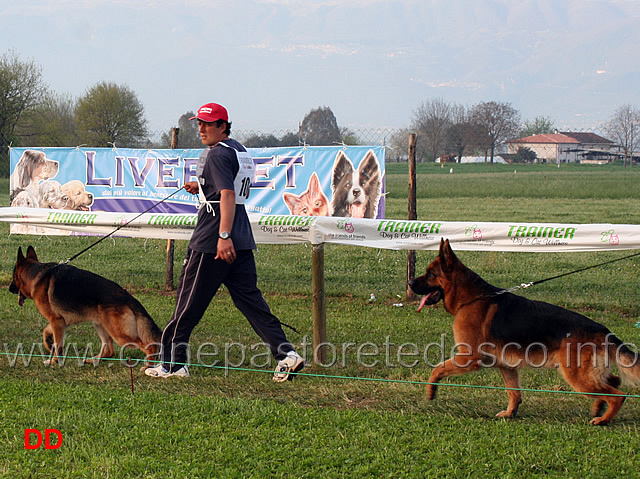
(368, 417)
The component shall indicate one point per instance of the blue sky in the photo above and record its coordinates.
(372, 62)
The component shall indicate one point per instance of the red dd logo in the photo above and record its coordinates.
(47, 439)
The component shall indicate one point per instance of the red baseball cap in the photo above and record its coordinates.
(211, 112)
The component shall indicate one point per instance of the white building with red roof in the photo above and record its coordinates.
(566, 147)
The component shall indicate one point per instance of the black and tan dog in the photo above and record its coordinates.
(494, 328)
(66, 295)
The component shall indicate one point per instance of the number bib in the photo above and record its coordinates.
(242, 182)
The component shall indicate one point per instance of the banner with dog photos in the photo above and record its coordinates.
(345, 181)
(374, 233)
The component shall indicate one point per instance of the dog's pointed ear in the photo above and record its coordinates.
(31, 253)
(448, 257)
(444, 247)
(20, 255)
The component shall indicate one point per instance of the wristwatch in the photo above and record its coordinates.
(224, 235)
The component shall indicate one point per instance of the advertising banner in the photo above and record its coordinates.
(374, 233)
(311, 181)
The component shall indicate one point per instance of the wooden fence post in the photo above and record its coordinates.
(411, 255)
(319, 305)
(168, 282)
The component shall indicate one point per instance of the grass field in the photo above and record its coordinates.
(238, 423)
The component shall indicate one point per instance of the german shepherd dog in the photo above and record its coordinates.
(66, 295)
(494, 328)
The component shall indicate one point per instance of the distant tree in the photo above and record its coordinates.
(110, 114)
(399, 146)
(525, 155)
(430, 121)
(320, 128)
(481, 141)
(499, 122)
(624, 129)
(21, 88)
(349, 136)
(188, 134)
(290, 139)
(460, 134)
(261, 141)
(539, 126)
(50, 123)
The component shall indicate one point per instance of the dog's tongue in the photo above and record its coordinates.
(21, 299)
(423, 302)
(425, 298)
(357, 210)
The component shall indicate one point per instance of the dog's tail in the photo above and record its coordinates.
(627, 360)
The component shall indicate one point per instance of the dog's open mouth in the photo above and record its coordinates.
(430, 298)
(357, 210)
(13, 288)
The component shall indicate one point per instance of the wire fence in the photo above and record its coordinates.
(559, 147)
(250, 138)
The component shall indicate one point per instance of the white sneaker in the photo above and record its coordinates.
(161, 372)
(291, 364)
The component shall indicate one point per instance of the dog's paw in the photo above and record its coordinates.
(506, 414)
(598, 421)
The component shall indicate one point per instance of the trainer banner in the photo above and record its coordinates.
(374, 233)
(312, 180)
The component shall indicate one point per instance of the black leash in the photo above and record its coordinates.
(533, 283)
(121, 226)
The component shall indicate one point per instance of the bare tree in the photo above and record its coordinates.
(460, 132)
(398, 145)
(111, 114)
(499, 121)
(430, 121)
(624, 129)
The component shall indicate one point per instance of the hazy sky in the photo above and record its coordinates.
(371, 61)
